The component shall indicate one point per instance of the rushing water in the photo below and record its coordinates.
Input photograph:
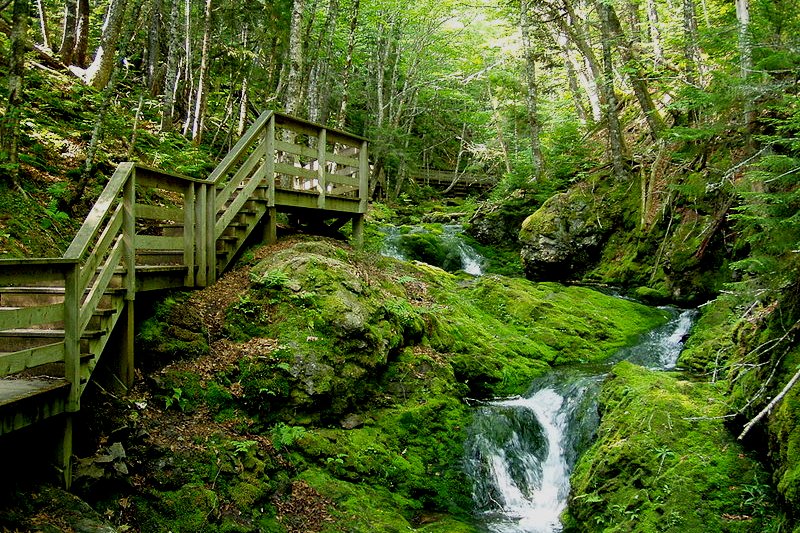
(451, 241)
(520, 451)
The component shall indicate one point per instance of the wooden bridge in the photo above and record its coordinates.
(465, 183)
(151, 230)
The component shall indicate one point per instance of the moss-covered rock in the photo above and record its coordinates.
(563, 237)
(355, 368)
(663, 461)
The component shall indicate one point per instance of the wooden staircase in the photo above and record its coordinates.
(152, 230)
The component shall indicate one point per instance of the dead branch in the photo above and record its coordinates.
(771, 405)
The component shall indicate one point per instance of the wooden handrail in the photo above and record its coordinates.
(91, 225)
(320, 171)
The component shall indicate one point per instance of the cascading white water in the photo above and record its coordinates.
(539, 508)
(469, 260)
(521, 451)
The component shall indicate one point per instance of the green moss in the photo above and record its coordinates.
(174, 330)
(663, 461)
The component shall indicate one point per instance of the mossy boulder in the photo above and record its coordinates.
(664, 461)
(498, 222)
(564, 237)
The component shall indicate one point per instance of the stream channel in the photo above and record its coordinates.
(520, 451)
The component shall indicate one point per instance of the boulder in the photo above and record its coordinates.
(563, 238)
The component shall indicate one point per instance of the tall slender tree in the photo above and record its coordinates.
(9, 127)
(99, 72)
(532, 92)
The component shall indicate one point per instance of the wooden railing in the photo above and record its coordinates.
(295, 163)
(281, 162)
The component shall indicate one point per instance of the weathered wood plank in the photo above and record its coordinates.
(158, 212)
(288, 120)
(239, 149)
(26, 317)
(15, 362)
(295, 149)
(343, 160)
(244, 173)
(110, 233)
(91, 225)
(363, 175)
(344, 180)
(156, 242)
(291, 170)
(158, 179)
(100, 285)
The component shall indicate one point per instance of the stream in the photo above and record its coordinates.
(520, 451)
(446, 250)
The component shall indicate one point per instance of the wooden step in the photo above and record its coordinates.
(24, 402)
(14, 340)
(33, 296)
(98, 317)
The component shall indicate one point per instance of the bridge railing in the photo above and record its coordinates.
(70, 290)
(307, 164)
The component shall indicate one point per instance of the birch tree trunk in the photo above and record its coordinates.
(745, 57)
(654, 31)
(348, 65)
(9, 126)
(154, 48)
(532, 94)
(691, 49)
(82, 34)
(99, 72)
(201, 97)
(43, 28)
(616, 142)
(171, 81)
(293, 100)
(68, 35)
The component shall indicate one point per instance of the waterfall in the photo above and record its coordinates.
(449, 247)
(520, 451)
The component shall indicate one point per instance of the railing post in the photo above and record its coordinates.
(189, 221)
(269, 162)
(201, 200)
(363, 177)
(271, 223)
(322, 185)
(126, 355)
(211, 239)
(72, 338)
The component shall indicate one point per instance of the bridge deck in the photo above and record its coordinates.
(152, 230)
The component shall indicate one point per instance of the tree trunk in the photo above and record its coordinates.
(99, 72)
(745, 57)
(633, 67)
(293, 101)
(201, 97)
(9, 127)
(68, 35)
(654, 31)
(318, 83)
(43, 23)
(616, 142)
(532, 94)
(691, 50)
(348, 65)
(154, 49)
(82, 34)
(173, 52)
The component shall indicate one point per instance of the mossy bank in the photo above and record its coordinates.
(664, 461)
(317, 388)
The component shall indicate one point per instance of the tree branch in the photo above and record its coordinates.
(771, 405)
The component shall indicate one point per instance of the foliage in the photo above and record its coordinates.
(663, 461)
